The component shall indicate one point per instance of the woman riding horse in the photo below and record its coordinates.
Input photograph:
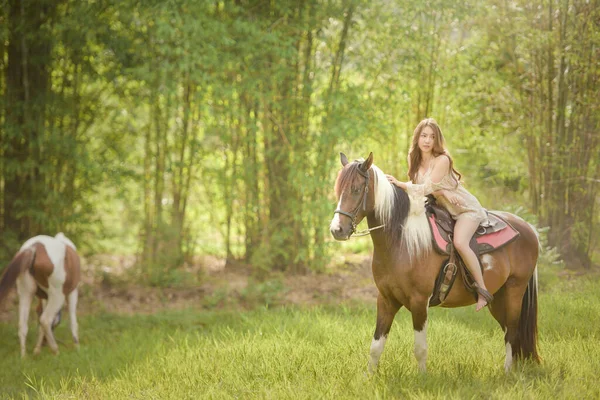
(431, 171)
(405, 266)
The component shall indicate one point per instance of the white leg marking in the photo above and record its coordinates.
(377, 347)
(24, 306)
(421, 347)
(509, 359)
(38, 345)
(26, 289)
(73, 296)
(56, 299)
(40, 339)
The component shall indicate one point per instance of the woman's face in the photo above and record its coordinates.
(426, 140)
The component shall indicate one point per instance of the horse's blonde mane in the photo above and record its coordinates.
(410, 219)
(384, 196)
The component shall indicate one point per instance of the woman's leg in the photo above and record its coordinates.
(463, 232)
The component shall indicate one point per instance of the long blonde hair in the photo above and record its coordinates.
(439, 148)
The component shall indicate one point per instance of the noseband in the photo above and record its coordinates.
(363, 203)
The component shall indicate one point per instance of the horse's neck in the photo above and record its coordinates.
(382, 246)
(378, 236)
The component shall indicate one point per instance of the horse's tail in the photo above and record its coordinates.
(527, 333)
(20, 263)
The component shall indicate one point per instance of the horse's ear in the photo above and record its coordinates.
(343, 159)
(367, 163)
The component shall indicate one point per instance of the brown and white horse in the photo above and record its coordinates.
(405, 266)
(48, 267)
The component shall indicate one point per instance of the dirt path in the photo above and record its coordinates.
(106, 287)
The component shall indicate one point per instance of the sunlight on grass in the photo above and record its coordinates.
(307, 353)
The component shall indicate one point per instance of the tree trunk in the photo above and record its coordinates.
(27, 84)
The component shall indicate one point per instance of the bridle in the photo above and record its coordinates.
(362, 203)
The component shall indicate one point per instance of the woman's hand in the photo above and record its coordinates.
(395, 182)
(453, 198)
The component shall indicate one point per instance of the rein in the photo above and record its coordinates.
(354, 213)
(367, 231)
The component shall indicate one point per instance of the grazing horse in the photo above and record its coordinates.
(49, 268)
(405, 266)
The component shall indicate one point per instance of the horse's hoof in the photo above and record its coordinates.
(37, 350)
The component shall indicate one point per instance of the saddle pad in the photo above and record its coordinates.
(483, 244)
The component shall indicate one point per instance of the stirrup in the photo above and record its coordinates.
(484, 293)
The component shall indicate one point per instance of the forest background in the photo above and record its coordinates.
(173, 129)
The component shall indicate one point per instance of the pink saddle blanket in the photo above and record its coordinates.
(481, 244)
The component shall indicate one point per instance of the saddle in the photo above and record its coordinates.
(495, 234)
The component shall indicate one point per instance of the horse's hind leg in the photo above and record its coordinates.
(73, 296)
(506, 308)
(56, 299)
(498, 310)
(514, 302)
(386, 311)
(26, 288)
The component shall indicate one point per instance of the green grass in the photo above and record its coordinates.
(310, 353)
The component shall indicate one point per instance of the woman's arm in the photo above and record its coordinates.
(432, 183)
(396, 182)
(440, 169)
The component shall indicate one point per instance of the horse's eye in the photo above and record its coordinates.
(355, 190)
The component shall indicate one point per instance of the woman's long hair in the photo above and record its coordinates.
(439, 148)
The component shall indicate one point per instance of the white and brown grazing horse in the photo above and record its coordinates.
(405, 266)
(48, 267)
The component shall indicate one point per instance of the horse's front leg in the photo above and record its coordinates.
(419, 317)
(56, 299)
(73, 296)
(386, 311)
(41, 334)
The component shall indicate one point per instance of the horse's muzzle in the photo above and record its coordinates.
(338, 233)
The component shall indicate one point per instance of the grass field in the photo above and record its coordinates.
(311, 353)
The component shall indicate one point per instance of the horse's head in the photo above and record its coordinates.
(354, 191)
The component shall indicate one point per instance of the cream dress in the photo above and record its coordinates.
(469, 205)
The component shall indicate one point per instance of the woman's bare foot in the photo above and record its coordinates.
(481, 302)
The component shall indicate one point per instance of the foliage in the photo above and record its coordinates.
(172, 129)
